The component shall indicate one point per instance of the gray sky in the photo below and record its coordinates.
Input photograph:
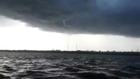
(91, 24)
(16, 34)
(114, 17)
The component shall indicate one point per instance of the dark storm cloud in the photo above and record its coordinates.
(120, 17)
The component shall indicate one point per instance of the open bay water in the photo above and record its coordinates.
(68, 66)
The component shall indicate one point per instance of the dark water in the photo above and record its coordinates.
(68, 66)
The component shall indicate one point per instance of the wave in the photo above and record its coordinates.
(67, 66)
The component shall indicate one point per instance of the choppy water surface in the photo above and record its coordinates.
(68, 66)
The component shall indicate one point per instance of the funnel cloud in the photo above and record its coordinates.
(114, 17)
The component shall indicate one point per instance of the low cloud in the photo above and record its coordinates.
(117, 17)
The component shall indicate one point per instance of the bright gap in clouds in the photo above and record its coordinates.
(15, 34)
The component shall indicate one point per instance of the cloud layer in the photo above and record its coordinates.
(119, 17)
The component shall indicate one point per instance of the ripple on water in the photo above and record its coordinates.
(66, 66)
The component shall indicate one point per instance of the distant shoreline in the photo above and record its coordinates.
(76, 52)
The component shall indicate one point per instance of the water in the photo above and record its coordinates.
(68, 66)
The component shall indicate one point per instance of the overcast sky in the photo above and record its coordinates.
(63, 24)
(16, 34)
